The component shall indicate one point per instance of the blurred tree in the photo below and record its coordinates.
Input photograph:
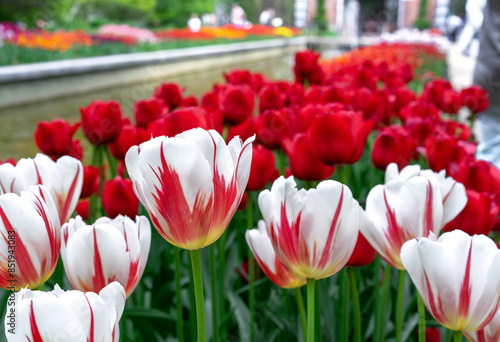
(32, 11)
(176, 13)
(458, 7)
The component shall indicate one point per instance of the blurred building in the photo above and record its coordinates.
(376, 16)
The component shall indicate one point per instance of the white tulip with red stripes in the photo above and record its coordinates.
(457, 277)
(412, 203)
(63, 179)
(191, 184)
(313, 232)
(106, 251)
(262, 249)
(31, 238)
(67, 316)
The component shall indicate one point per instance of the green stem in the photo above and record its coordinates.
(457, 336)
(399, 307)
(180, 318)
(221, 266)
(344, 300)
(310, 309)
(198, 292)
(225, 131)
(282, 160)
(385, 292)
(421, 318)
(302, 311)
(112, 162)
(251, 268)
(213, 284)
(355, 304)
(376, 306)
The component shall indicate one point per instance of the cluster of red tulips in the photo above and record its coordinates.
(191, 163)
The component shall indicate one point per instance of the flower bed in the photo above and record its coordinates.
(381, 170)
(22, 45)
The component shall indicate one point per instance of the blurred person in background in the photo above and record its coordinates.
(468, 42)
(487, 75)
(267, 16)
(453, 25)
(238, 16)
(194, 23)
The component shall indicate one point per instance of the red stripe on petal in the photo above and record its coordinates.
(34, 328)
(465, 290)
(183, 226)
(395, 234)
(28, 274)
(64, 202)
(327, 251)
(53, 236)
(91, 328)
(437, 312)
(98, 281)
(428, 212)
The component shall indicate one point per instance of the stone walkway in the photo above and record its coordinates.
(460, 68)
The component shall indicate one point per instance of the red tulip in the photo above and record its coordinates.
(54, 138)
(129, 136)
(118, 198)
(451, 102)
(303, 163)
(101, 121)
(432, 335)
(178, 121)
(363, 253)
(82, 208)
(393, 144)
(307, 68)
(457, 129)
(170, 94)
(336, 93)
(475, 98)
(244, 130)
(146, 111)
(238, 77)
(419, 109)
(271, 97)
(262, 168)
(76, 150)
(442, 149)
(236, 104)
(190, 101)
(90, 181)
(478, 175)
(340, 137)
(272, 128)
(420, 128)
(434, 91)
(477, 217)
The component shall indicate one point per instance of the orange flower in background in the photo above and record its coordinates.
(56, 41)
